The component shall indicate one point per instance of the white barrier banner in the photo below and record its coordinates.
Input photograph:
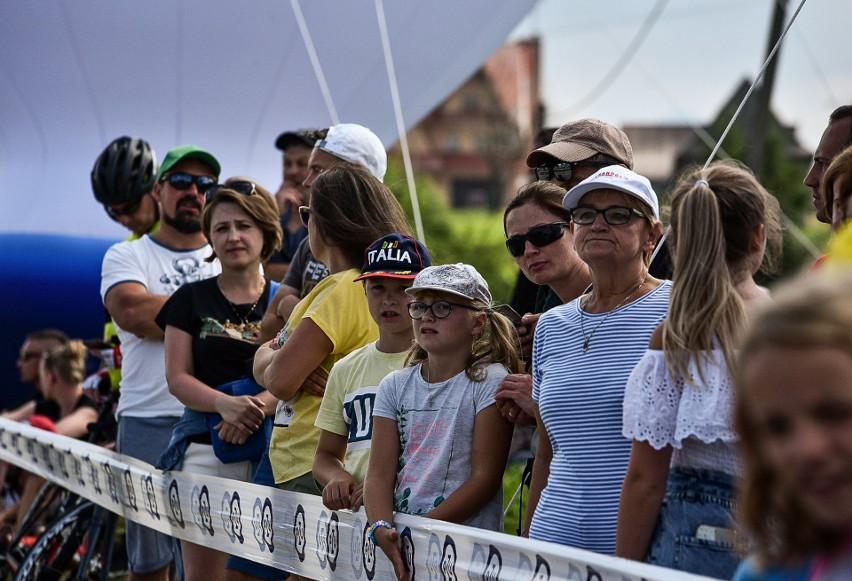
(295, 532)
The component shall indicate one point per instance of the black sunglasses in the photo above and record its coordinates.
(28, 355)
(241, 187)
(126, 210)
(184, 181)
(440, 309)
(562, 171)
(305, 215)
(614, 215)
(538, 237)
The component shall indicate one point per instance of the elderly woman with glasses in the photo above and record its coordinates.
(539, 238)
(583, 353)
(211, 334)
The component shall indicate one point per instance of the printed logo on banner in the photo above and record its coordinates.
(542, 569)
(129, 490)
(485, 564)
(333, 543)
(16, 444)
(494, 565)
(174, 504)
(448, 560)
(322, 538)
(46, 451)
(31, 451)
(592, 574)
(300, 535)
(355, 548)
(232, 514)
(62, 465)
(266, 525)
(77, 468)
(433, 558)
(256, 527)
(237, 517)
(112, 488)
(201, 509)
(408, 550)
(94, 479)
(150, 497)
(369, 548)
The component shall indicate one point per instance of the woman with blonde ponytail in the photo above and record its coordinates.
(676, 501)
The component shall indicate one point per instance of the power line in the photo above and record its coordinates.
(629, 52)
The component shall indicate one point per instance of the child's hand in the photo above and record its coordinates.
(315, 383)
(388, 541)
(343, 491)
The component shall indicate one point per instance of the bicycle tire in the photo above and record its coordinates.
(56, 556)
(50, 498)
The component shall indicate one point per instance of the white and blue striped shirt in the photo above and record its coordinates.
(580, 400)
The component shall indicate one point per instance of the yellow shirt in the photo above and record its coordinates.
(338, 306)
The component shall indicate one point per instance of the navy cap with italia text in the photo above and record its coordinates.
(396, 256)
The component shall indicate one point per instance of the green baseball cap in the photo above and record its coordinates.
(178, 154)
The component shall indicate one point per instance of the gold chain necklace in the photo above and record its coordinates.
(588, 340)
(244, 320)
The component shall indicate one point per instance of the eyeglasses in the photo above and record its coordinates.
(614, 215)
(27, 355)
(241, 187)
(562, 171)
(440, 309)
(538, 237)
(184, 181)
(305, 215)
(126, 210)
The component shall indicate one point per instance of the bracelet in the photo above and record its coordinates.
(371, 532)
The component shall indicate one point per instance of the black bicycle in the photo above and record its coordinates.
(79, 541)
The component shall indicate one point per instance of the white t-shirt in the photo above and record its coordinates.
(161, 270)
(436, 422)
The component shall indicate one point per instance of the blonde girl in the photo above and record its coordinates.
(441, 445)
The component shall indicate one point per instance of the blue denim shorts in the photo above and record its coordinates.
(693, 532)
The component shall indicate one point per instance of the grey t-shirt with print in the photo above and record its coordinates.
(436, 438)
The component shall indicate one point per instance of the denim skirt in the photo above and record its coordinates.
(694, 532)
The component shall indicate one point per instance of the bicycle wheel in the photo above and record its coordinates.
(41, 512)
(59, 552)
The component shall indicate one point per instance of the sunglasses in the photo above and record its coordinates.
(125, 210)
(614, 215)
(241, 187)
(184, 181)
(305, 215)
(28, 355)
(539, 236)
(562, 171)
(440, 309)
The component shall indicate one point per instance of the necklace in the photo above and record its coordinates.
(587, 340)
(240, 318)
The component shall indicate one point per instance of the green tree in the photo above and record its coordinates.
(471, 236)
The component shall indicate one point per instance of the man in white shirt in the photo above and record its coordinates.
(136, 279)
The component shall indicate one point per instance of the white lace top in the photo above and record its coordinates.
(696, 419)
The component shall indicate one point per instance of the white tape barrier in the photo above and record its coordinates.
(295, 532)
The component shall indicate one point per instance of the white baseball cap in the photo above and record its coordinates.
(356, 144)
(615, 177)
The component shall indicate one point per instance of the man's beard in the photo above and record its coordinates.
(182, 221)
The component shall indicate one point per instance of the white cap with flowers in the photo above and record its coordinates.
(456, 279)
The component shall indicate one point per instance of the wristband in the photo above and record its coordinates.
(371, 532)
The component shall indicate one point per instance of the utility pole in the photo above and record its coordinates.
(756, 152)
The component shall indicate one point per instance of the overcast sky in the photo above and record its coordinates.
(692, 59)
